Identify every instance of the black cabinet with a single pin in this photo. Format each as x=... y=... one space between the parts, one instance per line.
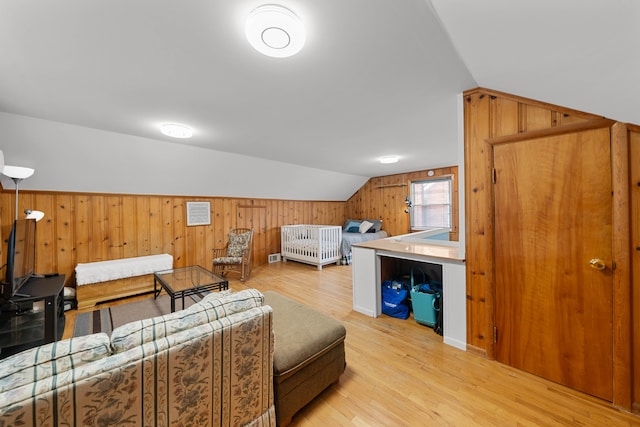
x=33 y=317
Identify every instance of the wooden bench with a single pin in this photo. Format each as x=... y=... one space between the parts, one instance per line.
x=107 y=280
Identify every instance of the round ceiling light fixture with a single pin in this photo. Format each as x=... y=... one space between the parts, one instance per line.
x=176 y=130
x=275 y=31
x=389 y=159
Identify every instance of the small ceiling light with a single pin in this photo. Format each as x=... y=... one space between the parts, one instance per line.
x=176 y=130
x=275 y=31
x=389 y=159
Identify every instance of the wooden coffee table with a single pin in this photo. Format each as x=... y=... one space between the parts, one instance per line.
x=186 y=281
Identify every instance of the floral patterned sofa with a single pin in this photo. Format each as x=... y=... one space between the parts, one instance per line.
x=208 y=365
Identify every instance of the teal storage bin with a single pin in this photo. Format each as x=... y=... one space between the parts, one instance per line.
x=424 y=307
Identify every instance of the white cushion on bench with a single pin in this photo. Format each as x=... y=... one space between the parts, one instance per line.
x=103 y=271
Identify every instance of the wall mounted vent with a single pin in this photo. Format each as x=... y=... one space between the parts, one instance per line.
x=274 y=258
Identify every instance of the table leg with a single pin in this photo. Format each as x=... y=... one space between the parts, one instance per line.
x=173 y=303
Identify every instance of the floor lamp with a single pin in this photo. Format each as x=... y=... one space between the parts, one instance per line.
x=17 y=174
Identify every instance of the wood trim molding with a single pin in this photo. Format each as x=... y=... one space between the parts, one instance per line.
x=529 y=101
x=552 y=131
x=622 y=337
x=391 y=185
x=477 y=350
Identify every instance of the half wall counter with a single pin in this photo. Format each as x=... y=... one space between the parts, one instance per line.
x=378 y=260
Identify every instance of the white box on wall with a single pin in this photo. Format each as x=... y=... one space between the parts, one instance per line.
x=198 y=213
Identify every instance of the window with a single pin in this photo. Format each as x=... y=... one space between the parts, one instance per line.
x=431 y=203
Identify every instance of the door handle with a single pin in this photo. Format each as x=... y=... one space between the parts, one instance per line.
x=597 y=264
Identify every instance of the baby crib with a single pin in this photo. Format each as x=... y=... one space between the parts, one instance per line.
x=312 y=244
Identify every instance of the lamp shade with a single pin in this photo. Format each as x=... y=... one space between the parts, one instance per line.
x=17 y=172
x=37 y=215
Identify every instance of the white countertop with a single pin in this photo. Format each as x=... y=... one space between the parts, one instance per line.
x=421 y=249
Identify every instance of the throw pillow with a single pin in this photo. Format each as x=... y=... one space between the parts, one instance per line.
x=377 y=225
x=365 y=226
x=350 y=224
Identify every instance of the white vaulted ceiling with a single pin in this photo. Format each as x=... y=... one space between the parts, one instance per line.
x=375 y=77
x=581 y=54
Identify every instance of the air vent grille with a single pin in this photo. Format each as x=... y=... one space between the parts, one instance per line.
x=274 y=258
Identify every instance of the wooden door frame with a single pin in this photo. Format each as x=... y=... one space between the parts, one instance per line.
x=622 y=326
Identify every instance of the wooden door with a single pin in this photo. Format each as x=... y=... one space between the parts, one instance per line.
x=553 y=215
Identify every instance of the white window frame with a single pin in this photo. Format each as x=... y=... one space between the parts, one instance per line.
x=418 y=202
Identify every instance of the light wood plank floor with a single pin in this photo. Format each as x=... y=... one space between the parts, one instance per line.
x=399 y=373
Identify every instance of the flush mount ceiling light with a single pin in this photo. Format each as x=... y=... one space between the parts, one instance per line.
x=275 y=31
x=176 y=130
x=389 y=159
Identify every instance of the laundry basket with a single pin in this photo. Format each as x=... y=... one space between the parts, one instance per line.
x=425 y=302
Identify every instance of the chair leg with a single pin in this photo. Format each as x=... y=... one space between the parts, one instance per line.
x=244 y=273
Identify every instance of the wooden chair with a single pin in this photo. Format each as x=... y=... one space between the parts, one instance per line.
x=236 y=255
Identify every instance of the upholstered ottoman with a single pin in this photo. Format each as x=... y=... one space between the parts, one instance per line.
x=308 y=355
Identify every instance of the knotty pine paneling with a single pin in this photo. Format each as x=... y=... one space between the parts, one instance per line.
x=504 y=116
x=533 y=117
x=88 y=227
x=478 y=122
x=384 y=198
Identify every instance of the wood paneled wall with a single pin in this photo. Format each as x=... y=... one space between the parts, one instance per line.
x=88 y=227
x=384 y=198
